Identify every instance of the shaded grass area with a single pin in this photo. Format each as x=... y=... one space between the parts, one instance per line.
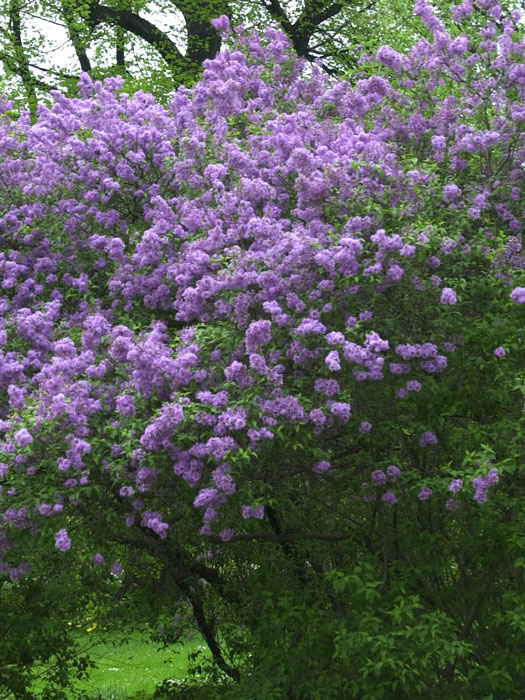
x=135 y=666
x=131 y=667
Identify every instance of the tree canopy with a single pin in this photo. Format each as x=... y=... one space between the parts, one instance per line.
x=160 y=44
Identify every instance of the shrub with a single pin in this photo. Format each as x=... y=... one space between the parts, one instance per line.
x=263 y=361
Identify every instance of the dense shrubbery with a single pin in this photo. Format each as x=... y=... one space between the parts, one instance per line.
x=262 y=361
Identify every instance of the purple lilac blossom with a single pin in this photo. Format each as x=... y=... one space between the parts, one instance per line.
x=258 y=334
x=321 y=467
x=452 y=504
x=518 y=295
x=341 y=411
x=62 y=540
x=210 y=515
x=329 y=387
x=427 y=438
x=379 y=477
x=125 y=405
x=481 y=485
x=448 y=296
x=333 y=361
x=390 y=58
x=413 y=385
x=256 y=512
x=492 y=476
x=451 y=193
x=222 y=23
x=154 y=522
x=425 y=493
x=455 y=485
x=399 y=368
x=226 y=534
x=389 y=497
x=393 y=472
x=335 y=338
x=23 y=437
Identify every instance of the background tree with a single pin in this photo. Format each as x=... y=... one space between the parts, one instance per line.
x=160 y=44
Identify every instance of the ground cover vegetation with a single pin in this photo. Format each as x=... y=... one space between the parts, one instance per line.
x=262 y=369
x=131 y=666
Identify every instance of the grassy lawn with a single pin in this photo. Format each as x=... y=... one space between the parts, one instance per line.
x=133 y=668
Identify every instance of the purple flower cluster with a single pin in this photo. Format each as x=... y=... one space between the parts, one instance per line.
x=481 y=485
x=427 y=438
x=425 y=493
x=154 y=522
x=389 y=497
x=448 y=296
x=455 y=486
x=62 y=540
x=379 y=477
x=256 y=512
x=321 y=467
x=518 y=295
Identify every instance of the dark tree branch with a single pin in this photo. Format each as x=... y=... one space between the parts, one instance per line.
x=203 y=39
x=21 y=59
x=43 y=19
x=207 y=631
x=40 y=83
x=74 y=35
x=273 y=7
x=83 y=59
x=120 y=57
x=315 y=13
x=283 y=538
x=182 y=570
x=140 y=27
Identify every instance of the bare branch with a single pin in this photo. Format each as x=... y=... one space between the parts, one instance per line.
x=315 y=14
x=275 y=9
x=283 y=537
x=139 y=26
x=43 y=19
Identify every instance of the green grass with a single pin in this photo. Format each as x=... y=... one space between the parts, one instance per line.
x=131 y=669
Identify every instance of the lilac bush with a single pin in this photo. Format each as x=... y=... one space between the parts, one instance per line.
x=210 y=305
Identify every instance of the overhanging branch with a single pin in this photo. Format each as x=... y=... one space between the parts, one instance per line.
x=132 y=22
x=284 y=537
